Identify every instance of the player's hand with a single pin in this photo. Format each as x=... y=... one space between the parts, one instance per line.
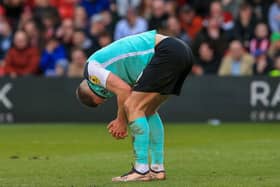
x=118 y=129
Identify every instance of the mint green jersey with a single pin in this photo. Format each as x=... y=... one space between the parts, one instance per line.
x=125 y=58
x=128 y=56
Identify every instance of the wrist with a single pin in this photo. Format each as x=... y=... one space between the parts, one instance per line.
x=121 y=120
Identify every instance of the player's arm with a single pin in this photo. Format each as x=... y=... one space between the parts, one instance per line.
x=114 y=84
x=122 y=91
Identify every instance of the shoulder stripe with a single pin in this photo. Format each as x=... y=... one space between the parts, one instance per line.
x=126 y=55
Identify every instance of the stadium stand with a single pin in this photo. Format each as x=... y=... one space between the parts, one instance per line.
x=54 y=29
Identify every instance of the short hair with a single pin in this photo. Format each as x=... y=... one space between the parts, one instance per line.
x=74 y=49
x=186 y=9
x=209 y=45
x=84 y=97
x=245 y=5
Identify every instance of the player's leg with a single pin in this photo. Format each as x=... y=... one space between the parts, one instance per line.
x=136 y=107
x=157 y=170
x=146 y=104
x=164 y=75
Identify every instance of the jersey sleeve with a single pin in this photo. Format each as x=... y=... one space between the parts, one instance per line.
x=96 y=74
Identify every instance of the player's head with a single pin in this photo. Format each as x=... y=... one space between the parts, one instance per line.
x=87 y=97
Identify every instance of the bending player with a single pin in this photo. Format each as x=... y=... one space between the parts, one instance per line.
x=141 y=70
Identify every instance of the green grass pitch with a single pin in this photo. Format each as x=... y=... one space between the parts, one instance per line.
x=241 y=155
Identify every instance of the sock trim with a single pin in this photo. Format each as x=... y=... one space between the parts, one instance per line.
x=161 y=171
x=133 y=169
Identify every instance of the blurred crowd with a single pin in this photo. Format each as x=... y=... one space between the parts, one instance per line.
x=55 y=37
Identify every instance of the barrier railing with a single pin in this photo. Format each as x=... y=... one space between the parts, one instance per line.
x=203 y=98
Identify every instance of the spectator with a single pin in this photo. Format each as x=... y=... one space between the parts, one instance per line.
x=33 y=32
x=130 y=25
x=108 y=22
x=26 y=15
x=78 y=60
x=190 y=22
x=159 y=15
x=122 y=6
x=93 y=24
x=54 y=59
x=171 y=7
x=97 y=27
x=245 y=25
x=95 y=7
x=21 y=59
x=104 y=39
x=261 y=9
x=225 y=18
x=145 y=9
x=261 y=41
x=207 y=62
x=174 y=29
x=46 y=18
x=80 y=18
x=65 y=34
x=80 y=40
x=237 y=62
x=5 y=39
x=263 y=64
x=275 y=44
x=114 y=13
x=276 y=67
x=213 y=35
x=274 y=16
x=44 y=12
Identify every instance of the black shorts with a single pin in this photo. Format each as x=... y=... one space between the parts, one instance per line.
x=168 y=69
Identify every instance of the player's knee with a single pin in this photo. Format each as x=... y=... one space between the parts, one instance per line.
x=132 y=107
x=128 y=106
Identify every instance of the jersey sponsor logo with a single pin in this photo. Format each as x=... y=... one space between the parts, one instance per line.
x=94 y=80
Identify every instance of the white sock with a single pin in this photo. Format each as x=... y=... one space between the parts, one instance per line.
x=142 y=168
x=157 y=167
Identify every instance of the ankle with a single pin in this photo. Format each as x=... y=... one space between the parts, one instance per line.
x=157 y=167
x=141 y=168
